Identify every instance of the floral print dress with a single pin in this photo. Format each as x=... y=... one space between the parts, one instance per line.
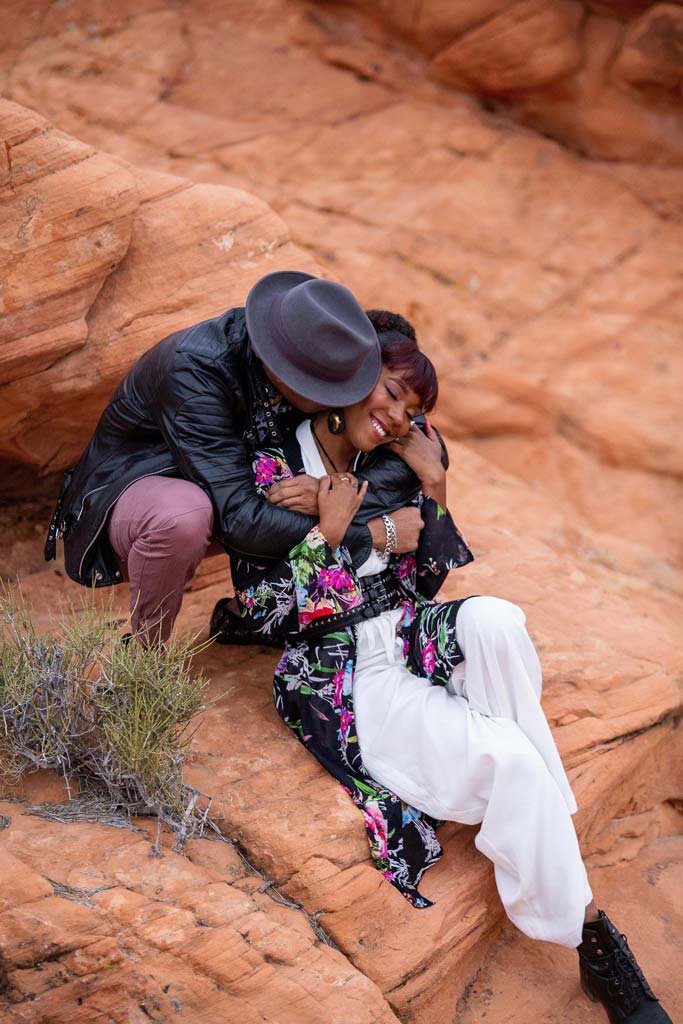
x=313 y=685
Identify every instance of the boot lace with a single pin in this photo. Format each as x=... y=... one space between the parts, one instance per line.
x=627 y=976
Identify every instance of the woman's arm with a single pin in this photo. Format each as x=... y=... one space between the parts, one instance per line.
x=441 y=548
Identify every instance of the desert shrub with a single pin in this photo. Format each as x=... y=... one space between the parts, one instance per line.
x=41 y=687
x=113 y=718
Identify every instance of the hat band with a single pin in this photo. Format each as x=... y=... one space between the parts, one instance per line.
x=296 y=356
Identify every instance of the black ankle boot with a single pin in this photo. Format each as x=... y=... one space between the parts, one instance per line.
x=610 y=975
x=226 y=627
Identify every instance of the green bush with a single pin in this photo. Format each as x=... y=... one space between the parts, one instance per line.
x=113 y=718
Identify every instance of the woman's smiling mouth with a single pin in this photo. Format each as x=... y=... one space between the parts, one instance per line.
x=379 y=429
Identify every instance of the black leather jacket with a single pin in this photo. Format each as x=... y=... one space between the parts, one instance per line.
x=186 y=409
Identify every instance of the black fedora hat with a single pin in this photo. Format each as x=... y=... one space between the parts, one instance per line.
x=314 y=336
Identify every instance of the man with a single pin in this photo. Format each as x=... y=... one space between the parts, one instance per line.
x=169 y=465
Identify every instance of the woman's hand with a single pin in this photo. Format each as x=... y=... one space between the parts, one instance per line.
x=422 y=452
x=298 y=493
x=338 y=501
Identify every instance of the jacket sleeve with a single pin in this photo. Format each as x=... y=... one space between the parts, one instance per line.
x=441 y=548
x=305 y=588
x=195 y=411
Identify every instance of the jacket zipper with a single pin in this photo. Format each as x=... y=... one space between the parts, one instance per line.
x=86 y=496
x=98 y=575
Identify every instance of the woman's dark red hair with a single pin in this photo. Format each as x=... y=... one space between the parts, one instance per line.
x=401 y=354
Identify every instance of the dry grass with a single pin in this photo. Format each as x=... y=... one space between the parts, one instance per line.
x=114 y=719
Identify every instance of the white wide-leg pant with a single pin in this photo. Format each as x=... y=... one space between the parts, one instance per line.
x=479 y=751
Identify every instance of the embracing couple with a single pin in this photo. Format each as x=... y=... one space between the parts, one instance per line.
x=292 y=432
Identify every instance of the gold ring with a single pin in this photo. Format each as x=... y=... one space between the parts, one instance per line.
x=345 y=478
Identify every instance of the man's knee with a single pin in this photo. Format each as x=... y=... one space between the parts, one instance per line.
x=188 y=533
x=181 y=527
x=156 y=508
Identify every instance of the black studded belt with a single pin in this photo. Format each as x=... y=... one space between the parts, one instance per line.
x=380 y=594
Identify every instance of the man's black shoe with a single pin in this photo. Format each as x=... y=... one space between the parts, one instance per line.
x=610 y=975
x=226 y=627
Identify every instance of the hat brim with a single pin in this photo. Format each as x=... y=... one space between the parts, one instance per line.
x=327 y=393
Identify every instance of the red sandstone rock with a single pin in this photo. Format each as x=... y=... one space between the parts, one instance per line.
x=100 y=261
x=548 y=290
x=127 y=936
x=55 y=224
x=652 y=51
x=602 y=77
x=610 y=654
x=524 y=47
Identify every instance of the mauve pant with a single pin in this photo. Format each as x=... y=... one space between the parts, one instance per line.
x=160 y=529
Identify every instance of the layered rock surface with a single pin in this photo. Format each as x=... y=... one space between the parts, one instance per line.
x=614 y=705
x=98 y=260
x=604 y=78
x=548 y=291
x=134 y=937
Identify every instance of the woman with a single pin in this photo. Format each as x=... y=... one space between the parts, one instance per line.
x=422 y=710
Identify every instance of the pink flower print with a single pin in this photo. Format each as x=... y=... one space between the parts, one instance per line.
x=338 y=688
x=345 y=722
x=405 y=567
x=341 y=579
x=268 y=469
x=376 y=824
x=334 y=578
x=429 y=658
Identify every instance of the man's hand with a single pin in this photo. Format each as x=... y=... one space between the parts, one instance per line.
x=299 y=493
x=408 y=522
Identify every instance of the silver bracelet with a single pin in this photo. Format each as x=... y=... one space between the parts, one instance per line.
x=390 y=527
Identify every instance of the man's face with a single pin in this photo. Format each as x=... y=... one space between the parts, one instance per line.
x=298 y=401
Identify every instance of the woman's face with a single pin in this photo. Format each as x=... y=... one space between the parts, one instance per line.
x=384 y=415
